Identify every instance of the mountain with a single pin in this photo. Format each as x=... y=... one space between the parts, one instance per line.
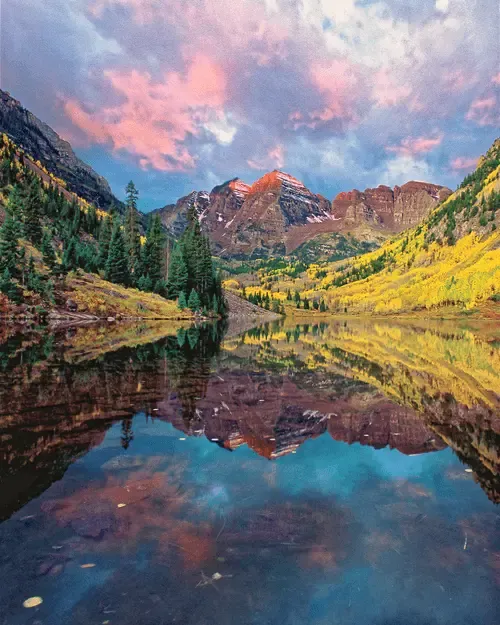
x=45 y=145
x=215 y=210
x=274 y=204
x=278 y=214
x=450 y=260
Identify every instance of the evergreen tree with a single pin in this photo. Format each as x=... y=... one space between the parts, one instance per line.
x=49 y=256
x=161 y=287
x=104 y=241
x=117 y=265
x=92 y=221
x=70 y=255
x=215 y=305
x=15 y=208
x=177 y=273
x=132 y=234
x=33 y=279
x=322 y=306
x=194 y=301
x=10 y=254
x=145 y=284
x=7 y=287
x=181 y=302
x=306 y=303
x=77 y=221
x=32 y=228
x=132 y=195
x=316 y=304
x=152 y=256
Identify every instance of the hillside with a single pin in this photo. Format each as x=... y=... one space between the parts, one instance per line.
x=45 y=145
x=451 y=259
x=62 y=258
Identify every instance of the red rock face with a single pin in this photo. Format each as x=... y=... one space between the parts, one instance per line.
x=225 y=202
x=390 y=209
x=274 y=204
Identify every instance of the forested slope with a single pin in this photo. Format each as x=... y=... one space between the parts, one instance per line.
x=451 y=259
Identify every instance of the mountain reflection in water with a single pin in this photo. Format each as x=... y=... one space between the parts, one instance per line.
x=86 y=420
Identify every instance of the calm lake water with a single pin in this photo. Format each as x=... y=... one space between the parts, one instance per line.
x=344 y=473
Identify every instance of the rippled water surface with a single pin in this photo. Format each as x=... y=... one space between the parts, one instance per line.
x=343 y=473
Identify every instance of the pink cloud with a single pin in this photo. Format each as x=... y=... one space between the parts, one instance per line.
x=463 y=163
x=496 y=79
x=387 y=92
x=484 y=111
x=274 y=159
x=154 y=119
x=413 y=146
x=337 y=83
x=458 y=80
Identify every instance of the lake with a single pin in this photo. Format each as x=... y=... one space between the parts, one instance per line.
x=314 y=473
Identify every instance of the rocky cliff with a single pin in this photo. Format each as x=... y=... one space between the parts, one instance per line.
x=44 y=144
x=391 y=209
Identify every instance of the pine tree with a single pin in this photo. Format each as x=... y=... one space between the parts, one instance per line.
x=117 y=265
x=322 y=306
x=7 y=287
x=194 y=301
x=15 y=208
x=77 y=221
x=145 y=284
x=215 y=305
x=181 y=302
x=152 y=255
x=104 y=241
x=132 y=234
x=92 y=221
x=10 y=253
x=49 y=256
x=32 y=229
x=161 y=287
x=132 y=195
x=177 y=273
x=33 y=281
x=70 y=255
x=306 y=303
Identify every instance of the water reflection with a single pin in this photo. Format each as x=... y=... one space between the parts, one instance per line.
x=115 y=457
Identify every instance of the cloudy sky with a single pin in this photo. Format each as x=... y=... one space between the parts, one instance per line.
x=184 y=94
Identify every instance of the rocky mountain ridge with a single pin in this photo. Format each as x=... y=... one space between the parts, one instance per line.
x=278 y=213
x=44 y=144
